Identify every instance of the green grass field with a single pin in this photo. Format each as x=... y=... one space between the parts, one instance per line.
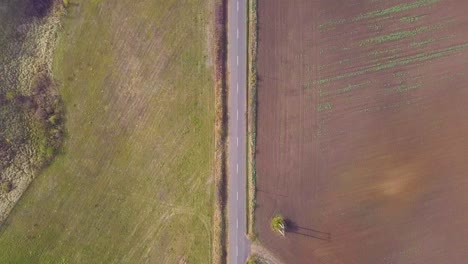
x=134 y=181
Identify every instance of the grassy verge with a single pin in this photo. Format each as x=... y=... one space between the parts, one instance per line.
x=219 y=242
x=134 y=183
x=251 y=114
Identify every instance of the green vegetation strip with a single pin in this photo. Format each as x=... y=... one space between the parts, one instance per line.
x=412 y=19
x=395 y=36
x=382 y=14
x=404 y=34
x=421 y=57
x=395 y=9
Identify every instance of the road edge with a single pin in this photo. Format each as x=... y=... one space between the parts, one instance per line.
x=219 y=252
x=251 y=115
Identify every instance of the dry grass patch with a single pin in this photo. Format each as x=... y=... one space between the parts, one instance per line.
x=134 y=183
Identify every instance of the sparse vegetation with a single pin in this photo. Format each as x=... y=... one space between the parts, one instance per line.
x=28 y=95
x=253 y=259
x=10 y=95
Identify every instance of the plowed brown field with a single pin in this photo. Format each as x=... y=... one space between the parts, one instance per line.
x=363 y=130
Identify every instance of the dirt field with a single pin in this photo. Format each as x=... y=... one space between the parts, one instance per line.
x=363 y=130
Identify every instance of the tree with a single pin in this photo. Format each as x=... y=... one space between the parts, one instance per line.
x=278 y=224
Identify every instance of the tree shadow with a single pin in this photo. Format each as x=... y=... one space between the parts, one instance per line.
x=292 y=227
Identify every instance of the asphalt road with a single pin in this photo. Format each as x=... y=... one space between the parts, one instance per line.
x=238 y=244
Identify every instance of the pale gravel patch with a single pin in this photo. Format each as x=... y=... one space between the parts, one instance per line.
x=264 y=254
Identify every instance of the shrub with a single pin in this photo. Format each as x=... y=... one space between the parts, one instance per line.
x=10 y=95
x=5 y=187
x=53 y=119
x=278 y=224
x=253 y=260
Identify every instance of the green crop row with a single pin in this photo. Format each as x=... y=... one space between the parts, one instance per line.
x=421 y=57
x=395 y=9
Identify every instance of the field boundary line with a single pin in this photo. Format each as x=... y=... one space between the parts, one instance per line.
x=220 y=169
x=252 y=30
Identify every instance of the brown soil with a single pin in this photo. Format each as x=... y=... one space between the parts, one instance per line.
x=363 y=130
